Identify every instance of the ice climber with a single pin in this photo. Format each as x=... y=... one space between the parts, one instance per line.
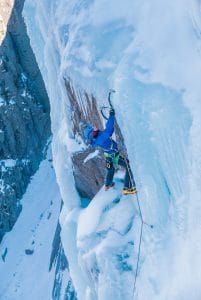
x=103 y=140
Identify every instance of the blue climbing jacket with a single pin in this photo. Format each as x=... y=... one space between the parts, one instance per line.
x=104 y=139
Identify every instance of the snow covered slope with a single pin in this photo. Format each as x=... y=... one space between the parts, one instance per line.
x=106 y=230
x=150 y=53
x=26 y=250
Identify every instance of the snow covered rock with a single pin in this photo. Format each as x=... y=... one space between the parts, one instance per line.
x=24 y=114
x=31 y=254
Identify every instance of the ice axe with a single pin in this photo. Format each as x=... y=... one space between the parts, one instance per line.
x=109 y=97
x=111 y=91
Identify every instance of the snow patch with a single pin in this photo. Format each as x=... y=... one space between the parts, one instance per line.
x=8 y=163
x=91 y=155
x=2 y=101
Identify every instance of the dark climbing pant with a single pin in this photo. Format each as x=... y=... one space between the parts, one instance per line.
x=123 y=162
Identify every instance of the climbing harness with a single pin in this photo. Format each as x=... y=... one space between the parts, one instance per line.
x=112 y=159
x=114 y=156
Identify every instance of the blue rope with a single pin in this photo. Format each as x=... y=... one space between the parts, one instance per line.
x=141 y=230
x=138 y=259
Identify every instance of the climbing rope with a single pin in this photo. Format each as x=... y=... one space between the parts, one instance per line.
x=141 y=229
x=138 y=258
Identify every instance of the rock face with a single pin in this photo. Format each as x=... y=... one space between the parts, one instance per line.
x=89 y=175
x=63 y=287
x=24 y=117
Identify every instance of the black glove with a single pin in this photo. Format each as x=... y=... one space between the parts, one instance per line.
x=112 y=112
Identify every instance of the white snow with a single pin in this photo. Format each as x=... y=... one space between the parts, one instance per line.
x=149 y=51
x=91 y=155
x=8 y=163
x=12 y=101
x=2 y=186
x=26 y=276
x=105 y=243
x=2 y=101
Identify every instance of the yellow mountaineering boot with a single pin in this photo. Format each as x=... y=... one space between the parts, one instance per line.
x=129 y=191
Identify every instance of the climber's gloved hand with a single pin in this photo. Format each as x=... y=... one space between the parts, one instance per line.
x=112 y=112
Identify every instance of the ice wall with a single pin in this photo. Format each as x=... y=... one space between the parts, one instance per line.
x=150 y=53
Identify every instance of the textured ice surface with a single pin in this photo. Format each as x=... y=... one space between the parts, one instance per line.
x=150 y=53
